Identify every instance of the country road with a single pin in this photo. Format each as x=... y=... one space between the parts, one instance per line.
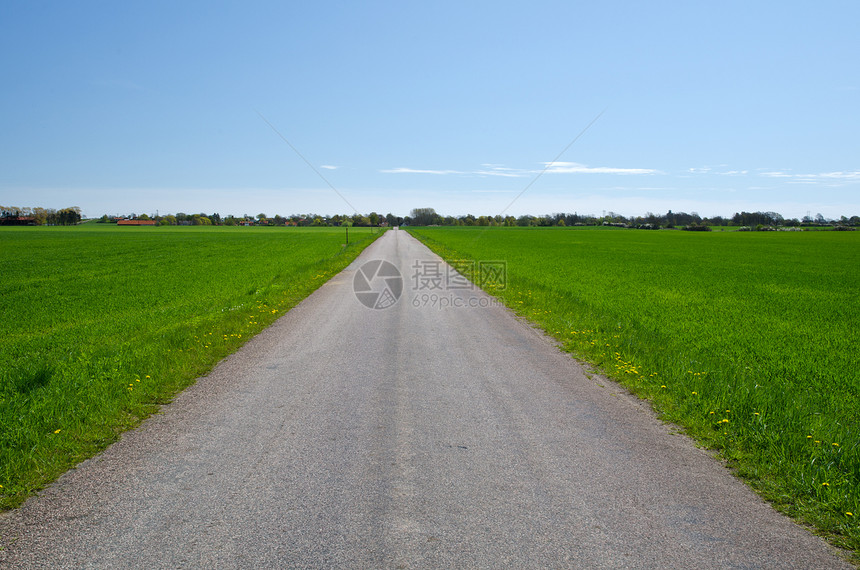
x=448 y=434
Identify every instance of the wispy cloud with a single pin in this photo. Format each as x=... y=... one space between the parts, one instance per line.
x=716 y=170
x=329 y=167
x=499 y=170
x=576 y=168
x=837 y=178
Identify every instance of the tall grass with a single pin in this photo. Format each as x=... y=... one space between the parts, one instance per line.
x=101 y=324
x=749 y=340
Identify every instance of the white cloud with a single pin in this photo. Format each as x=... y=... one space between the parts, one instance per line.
x=554 y=167
x=841 y=175
x=837 y=178
x=495 y=170
x=329 y=167
x=576 y=168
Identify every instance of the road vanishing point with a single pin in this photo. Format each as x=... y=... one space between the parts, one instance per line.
x=432 y=436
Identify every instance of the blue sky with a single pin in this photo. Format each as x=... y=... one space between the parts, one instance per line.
x=121 y=107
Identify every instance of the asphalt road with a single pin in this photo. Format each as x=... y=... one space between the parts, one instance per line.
x=447 y=434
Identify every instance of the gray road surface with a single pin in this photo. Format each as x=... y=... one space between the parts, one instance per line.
x=405 y=437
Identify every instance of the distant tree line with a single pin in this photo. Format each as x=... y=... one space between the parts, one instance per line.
x=304 y=220
x=15 y=216
x=689 y=221
x=429 y=216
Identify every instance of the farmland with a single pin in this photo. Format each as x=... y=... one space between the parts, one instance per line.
x=101 y=324
x=747 y=340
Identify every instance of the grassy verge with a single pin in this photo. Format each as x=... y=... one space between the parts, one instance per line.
x=748 y=340
x=101 y=324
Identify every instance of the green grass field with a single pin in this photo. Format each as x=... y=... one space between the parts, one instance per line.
x=100 y=324
x=748 y=340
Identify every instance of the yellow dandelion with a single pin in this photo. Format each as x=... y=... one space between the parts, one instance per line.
x=847 y=513
x=695 y=393
x=663 y=386
x=835 y=445
x=825 y=484
x=756 y=413
x=57 y=431
x=809 y=437
x=147 y=376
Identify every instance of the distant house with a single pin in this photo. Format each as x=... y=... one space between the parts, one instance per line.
x=18 y=221
x=135 y=222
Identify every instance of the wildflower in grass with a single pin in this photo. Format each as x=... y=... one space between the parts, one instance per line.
x=663 y=386
x=847 y=513
x=695 y=393
x=147 y=377
x=825 y=484
x=809 y=437
x=755 y=413
x=57 y=431
x=835 y=445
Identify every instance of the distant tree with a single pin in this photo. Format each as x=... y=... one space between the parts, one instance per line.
x=424 y=216
x=200 y=220
x=43 y=216
x=374 y=219
x=69 y=216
